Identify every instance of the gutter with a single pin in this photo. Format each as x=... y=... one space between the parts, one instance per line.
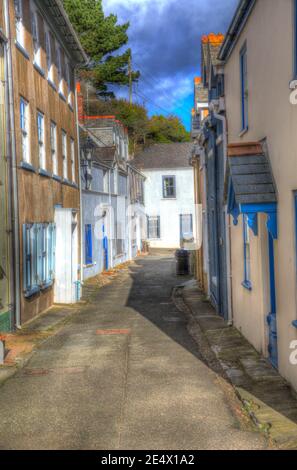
x=60 y=7
x=238 y=22
x=15 y=218
x=80 y=191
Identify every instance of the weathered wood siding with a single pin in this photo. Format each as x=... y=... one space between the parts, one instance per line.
x=37 y=194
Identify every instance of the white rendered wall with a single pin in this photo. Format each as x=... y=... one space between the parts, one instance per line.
x=169 y=210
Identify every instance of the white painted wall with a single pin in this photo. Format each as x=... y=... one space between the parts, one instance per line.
x=169 y=210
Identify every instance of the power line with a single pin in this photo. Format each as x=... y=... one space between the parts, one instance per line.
x=165 y=94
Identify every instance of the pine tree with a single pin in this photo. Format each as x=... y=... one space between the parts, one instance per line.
x=101 y=36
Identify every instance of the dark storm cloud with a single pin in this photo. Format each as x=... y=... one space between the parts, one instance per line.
x=165 y=39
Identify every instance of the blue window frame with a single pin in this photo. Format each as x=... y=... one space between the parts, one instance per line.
x=39 y=248
x=88 y=245
x=295 y=38
x=244 y=88
x=247 y=254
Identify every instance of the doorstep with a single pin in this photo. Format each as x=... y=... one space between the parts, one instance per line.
x=269 y=399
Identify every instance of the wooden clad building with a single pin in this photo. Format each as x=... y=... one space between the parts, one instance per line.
x=45 y=52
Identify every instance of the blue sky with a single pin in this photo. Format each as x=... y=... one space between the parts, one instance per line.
x=165 y=40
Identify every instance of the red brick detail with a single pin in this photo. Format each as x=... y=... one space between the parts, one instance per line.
x=113 y=332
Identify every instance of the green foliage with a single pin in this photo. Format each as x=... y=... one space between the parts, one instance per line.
x=164 y=130
x=101 y=36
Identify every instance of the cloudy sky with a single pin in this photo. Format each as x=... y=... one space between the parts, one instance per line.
x=165 y=40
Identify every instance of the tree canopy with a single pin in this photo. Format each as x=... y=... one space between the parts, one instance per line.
x=101 y=36
x=142 y=129
x=164 y=130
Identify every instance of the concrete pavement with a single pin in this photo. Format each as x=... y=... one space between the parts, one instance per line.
x=124 y=373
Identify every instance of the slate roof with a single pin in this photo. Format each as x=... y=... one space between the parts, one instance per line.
x=159 y=156
x=65 y=27
x=251 y=174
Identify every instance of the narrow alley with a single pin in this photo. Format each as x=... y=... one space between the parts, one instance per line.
x=123 y=373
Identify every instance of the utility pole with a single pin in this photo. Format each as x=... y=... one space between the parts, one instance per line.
x=130 y=80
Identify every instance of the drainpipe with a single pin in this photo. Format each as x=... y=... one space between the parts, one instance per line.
x=15 y=218
x=223 y=120
x=80 y=188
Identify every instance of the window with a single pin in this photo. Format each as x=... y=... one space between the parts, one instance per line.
x=54 y=148
x=247 y=254
x=244 y=88
x=64 y=155
x=49 y=60
x=59 y=68
x=186 y=227
x=88 y=245
x=35 y=38
x=153 y=227
x=68 y=79
x=72 y=145
x=105 y=181
x=169 y=187
x=41 y=143
x=39 y=244
x=24 y=122
x=20 y=36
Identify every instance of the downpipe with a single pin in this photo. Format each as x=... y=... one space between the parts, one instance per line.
x=15 y=221
x=223 y=120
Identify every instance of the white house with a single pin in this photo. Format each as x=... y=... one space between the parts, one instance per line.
x=168 y=194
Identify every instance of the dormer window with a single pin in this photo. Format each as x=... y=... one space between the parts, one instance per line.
x=18 y=9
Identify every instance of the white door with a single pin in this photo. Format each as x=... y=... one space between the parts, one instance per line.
x=66 y=256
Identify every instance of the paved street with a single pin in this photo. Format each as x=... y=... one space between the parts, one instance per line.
x=140 y=386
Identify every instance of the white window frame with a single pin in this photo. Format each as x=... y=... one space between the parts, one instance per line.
x=73 y=169
x=49 y=57
x=54 y=154
x=35 y=37
x=19 y=26
x=59 y=68
x=68 y=79
x=25 y=130
x=64 y=155
x=41 y=140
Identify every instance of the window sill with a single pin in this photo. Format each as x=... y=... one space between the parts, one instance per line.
x=22 y=50
x=247 y=285
x=294 y=323
x=51 y=83
x=243 y=132
x=88 y=266
x=57 y=178
x=44 y=173
x=69 y=183
x=32 y=292
x=62 y=96
x=28 y=167
x=47 y=285
x=39 y=69
x=169 y=199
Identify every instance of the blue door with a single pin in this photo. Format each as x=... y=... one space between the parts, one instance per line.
x=272 y=319
x=105 y=250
